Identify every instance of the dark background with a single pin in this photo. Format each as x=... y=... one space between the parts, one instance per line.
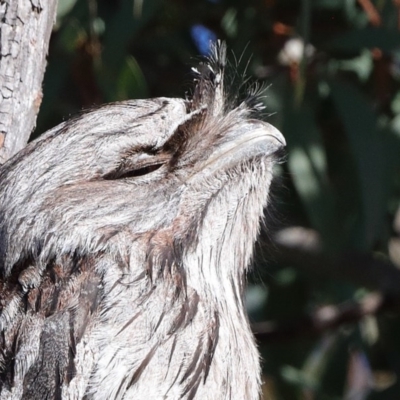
x=326 y=282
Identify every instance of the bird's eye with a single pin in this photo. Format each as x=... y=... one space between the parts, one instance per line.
x=140 y=171
x=132 y=173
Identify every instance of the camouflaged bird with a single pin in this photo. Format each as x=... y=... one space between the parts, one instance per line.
x=125 y=236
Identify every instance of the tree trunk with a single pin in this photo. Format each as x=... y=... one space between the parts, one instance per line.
x=25 y=28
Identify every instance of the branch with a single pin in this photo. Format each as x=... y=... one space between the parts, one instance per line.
x=324 y=319
x=371 y=11
x=300 y=247
x=25 y=30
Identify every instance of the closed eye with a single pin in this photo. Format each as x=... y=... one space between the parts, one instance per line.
x=133 y=173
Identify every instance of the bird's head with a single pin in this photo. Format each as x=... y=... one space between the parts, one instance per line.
x=188 y=175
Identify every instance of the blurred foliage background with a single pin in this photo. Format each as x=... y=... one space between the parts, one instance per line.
x=324 y=295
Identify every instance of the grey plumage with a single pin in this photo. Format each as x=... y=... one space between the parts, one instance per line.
x=125 y=235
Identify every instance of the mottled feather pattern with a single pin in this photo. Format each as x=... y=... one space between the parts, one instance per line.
x=125 y=235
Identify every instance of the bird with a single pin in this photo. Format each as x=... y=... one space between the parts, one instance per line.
x=126 y=233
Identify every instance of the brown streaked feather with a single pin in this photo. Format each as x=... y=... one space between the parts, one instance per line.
x=125 y=236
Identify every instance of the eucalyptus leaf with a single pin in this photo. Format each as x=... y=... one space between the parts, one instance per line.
x=367 y=38
x=308 y=167
x=360 y=123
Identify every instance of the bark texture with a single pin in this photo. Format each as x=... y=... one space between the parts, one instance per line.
x=25 y=28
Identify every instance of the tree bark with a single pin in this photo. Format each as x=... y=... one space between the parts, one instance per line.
x=25 y=28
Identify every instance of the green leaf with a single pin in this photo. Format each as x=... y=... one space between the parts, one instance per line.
x=314 y=366
x=369 y=38
x=308 y=167
x=64 y=7
x=367 y=147
x=131 y=83
x=122 y=27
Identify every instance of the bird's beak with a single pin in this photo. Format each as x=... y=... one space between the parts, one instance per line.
x=275 y=135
